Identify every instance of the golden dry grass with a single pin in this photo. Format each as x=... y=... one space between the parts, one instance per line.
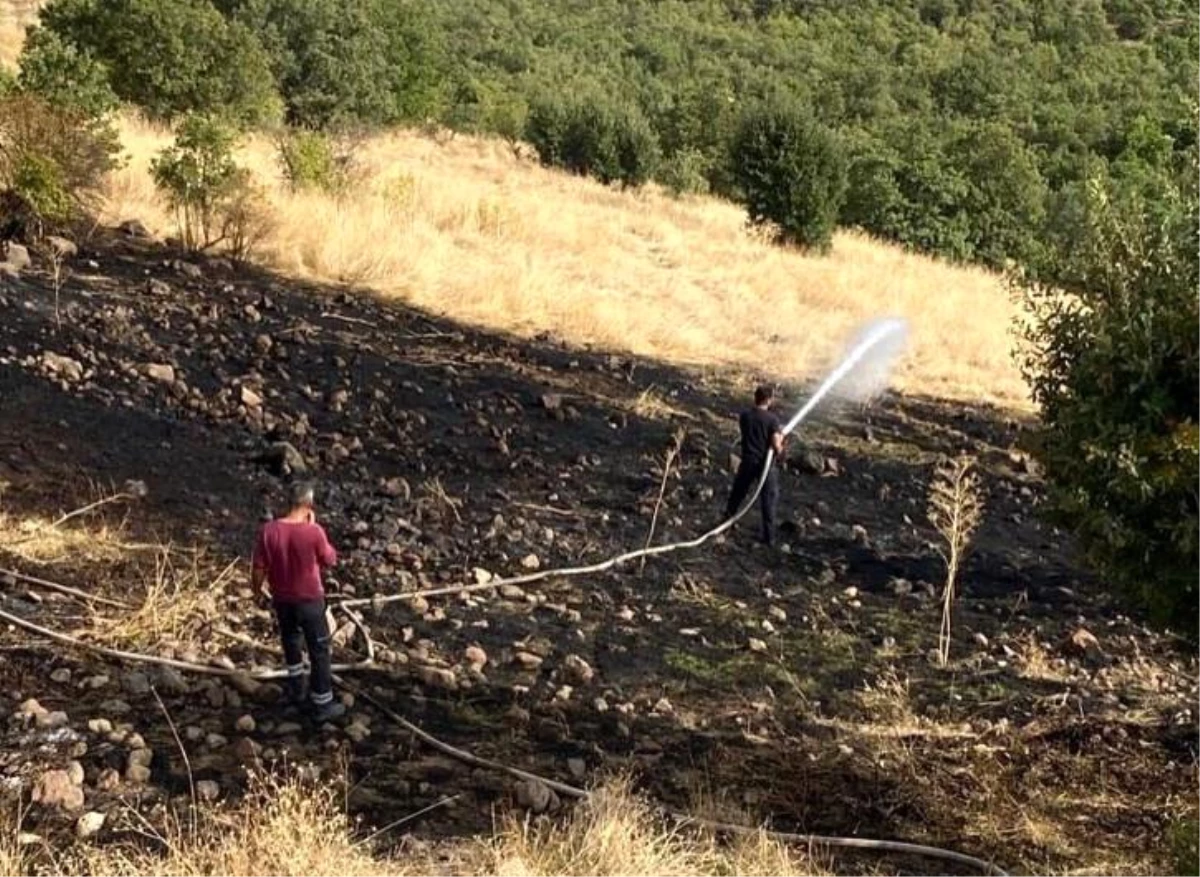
x=286 y=826
x=14 y=16
x=461 y=227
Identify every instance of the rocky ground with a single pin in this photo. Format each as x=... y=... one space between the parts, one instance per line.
x=795 y=687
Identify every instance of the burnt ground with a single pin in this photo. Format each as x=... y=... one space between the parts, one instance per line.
x=796 y=687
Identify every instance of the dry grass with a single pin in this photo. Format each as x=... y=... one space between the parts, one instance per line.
x=87 y=533
x=301 y=832
x=955 y=510
x=14 y=16
x=463 y=228
x=180 y=597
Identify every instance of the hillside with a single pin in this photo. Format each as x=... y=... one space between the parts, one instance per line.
x=795 y=689
x=463 y=228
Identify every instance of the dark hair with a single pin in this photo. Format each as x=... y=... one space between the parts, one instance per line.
x=763 y=394
x=302 y=493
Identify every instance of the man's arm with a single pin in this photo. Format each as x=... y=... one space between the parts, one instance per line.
x=325 y=551
x=258 y=567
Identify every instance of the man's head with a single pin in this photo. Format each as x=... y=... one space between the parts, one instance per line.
x=764 y=396
x=303 y=495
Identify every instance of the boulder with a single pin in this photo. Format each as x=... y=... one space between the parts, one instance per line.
x=15 y=255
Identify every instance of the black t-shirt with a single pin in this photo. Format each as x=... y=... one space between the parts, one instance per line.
x=757 y=427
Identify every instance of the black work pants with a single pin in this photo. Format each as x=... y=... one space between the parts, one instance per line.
x=744 y=481
x=303 y=625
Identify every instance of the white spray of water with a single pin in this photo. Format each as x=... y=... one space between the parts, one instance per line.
x=864 y=372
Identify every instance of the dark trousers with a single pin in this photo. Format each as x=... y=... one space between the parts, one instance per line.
x=303 y=625
x=745 y=480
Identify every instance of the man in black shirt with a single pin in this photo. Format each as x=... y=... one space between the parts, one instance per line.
x=761 y=432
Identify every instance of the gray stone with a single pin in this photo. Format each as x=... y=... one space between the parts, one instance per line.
x=89 y=824
x=536 y=796
x=54 y=788
x=578 y=669
x=62 y=247
x=207 y=790
x=62 y=366
x=136 y=682
x=161 y=371
x=16 y=255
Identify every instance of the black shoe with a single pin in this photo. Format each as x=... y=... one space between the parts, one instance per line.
x=327 y=712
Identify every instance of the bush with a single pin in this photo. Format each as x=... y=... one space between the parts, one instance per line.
x=344 y=62
x=201 y=181
x=791 y=173
x=591 y=136
x=53 y=159
x=309 y=161
x=171 y=57
x=1113 y=364
x=685 y=173
x=65 y=75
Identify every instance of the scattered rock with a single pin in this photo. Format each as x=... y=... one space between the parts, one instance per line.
x=777 y=613
x=282 y=458
x=75 y=772
x=246 y=724
x=134 y=228
x=756 y=645
x=89 y=824
x=531 y=562
x=171 y=681
x=476 y=657
x=357 y=731
x=482 y=576
x=100 y=726
x=551 y=401
x=528 y=660
x=247 y=750
x=844 y=749
x=1083 y=643
x=208 y=790
x=535 y=796
x=980 y=639
x=512 y=592
x=578 y=669
x=850 y=592
x=244 y=683
x=250 y=398
x=900 y=587
x=136 y=682
x=55 y=788
x=108 y=780
x=16 y=255
x=859 y=533
x=160 y=371
x=437 y=677
x=62 y=366
x=577 y=767
x=62 y=675
x=216 y=741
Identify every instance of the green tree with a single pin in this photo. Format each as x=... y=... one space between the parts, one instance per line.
x=65 y=75
x=345 y=62
x=201 y=180
x=590 y=135
x=1112 y=358
x=792 y=173
x=171 y=57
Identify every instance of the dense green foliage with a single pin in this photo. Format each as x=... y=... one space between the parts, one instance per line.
x=65 y=75
x=588 y=134
x=967 y=126
x=200 y=180
x=171 y=56
x=791 y=172
x=1114 y=368
x=340 y=63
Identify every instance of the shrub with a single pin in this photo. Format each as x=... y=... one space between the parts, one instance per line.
x=201 y=181
x=791 y=173
x=589 y=135
x=1184 y=839
x=171 y=57
x=685 y=173
x=309 y=161
x=52 y=158
x=65 y=75
x=1113 y=364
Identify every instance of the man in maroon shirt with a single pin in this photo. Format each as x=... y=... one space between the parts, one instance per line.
x=288 y=556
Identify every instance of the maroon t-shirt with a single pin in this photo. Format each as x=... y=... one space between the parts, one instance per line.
x=292 y=555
